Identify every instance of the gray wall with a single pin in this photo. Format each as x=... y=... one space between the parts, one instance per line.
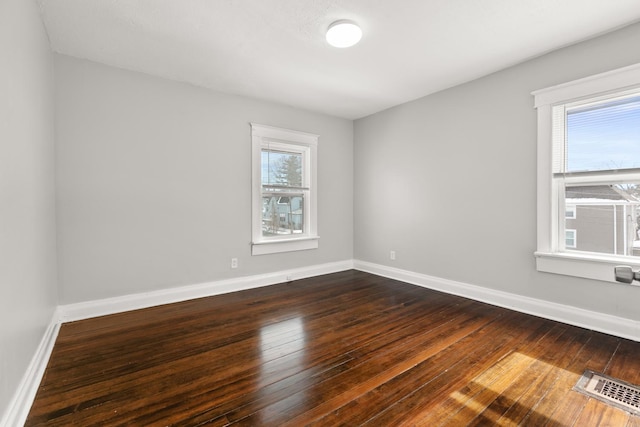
x=28 y=293
x=154 y=183
x=449 y=181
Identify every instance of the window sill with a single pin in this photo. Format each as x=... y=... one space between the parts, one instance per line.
x=596 y=267
x=288 y=245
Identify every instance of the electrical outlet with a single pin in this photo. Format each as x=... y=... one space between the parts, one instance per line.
x=234 y=262
x=392 y=255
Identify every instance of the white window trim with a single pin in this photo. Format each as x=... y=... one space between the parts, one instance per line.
x=261 y=245
x=548 y=257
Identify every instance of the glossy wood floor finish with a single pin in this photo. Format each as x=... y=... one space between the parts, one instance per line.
x=343 y=349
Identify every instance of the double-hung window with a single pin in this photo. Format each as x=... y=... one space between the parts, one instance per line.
x=589 y=175
x=284 y=205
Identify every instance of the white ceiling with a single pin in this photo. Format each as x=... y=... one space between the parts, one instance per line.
x=275 y=49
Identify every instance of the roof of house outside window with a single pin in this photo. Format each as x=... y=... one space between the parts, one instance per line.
x=600 y=192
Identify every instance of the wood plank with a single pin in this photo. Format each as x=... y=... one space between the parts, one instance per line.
x=418 y=407
x=348 y=348
x=561 y=405
x=163 y=344
x=402 y=395
x=276 y=391
x=188 y=390
x=596 y=413
x=531 y=386
x=366 y=371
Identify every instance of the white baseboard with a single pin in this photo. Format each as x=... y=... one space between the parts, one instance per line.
x=19 y=406
x=85 y=310
x=18 y=409
x=609 y=324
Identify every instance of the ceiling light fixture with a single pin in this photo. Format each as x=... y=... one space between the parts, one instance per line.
x=343 y=33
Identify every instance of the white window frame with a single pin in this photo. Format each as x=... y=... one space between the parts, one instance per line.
x=550 y=223
x=264 y=136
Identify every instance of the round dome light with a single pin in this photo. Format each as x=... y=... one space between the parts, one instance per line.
x=343 y=33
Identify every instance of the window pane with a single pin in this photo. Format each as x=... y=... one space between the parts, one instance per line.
x=606 y=218
x=282 y=215
x=570 y=212
x=281 y=168
x=604 y=136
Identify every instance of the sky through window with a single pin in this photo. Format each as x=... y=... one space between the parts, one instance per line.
x=604 y=137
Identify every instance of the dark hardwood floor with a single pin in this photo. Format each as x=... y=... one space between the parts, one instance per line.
x=343 y=349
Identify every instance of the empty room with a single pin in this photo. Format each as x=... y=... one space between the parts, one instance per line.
x=319 y=212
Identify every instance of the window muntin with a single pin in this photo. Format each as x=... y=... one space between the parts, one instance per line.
x=284 y=197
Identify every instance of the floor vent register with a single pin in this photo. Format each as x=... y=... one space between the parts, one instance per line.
x=609 y=390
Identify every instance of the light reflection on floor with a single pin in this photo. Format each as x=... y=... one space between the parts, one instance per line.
x=282 y=352
x=477 y=396
x=282 y=338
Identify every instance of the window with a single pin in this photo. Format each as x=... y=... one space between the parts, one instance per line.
x=570 y=238
x=284 y=198
x=570 y=212
x=589 y=163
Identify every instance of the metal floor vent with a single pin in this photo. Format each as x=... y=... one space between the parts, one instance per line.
x=610 y=390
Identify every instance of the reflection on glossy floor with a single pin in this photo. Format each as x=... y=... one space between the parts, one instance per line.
x=348 y=348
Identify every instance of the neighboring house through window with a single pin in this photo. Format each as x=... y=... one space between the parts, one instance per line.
x=284 y=190
x=608 y=217
x=589 y=175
